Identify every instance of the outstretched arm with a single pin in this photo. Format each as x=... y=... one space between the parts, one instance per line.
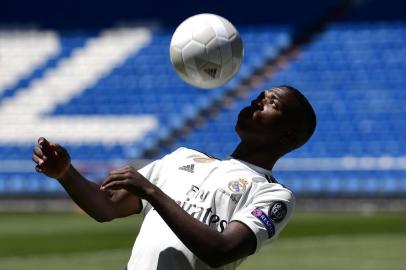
x=213 y=247
x=54 y=161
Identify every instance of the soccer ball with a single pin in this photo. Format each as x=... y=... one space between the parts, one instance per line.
x=206 y=51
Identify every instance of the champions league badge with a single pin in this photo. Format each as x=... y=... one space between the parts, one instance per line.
x=259 y=214
x=277 y=211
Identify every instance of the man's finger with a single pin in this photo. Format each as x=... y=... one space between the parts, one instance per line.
x=43 y=142
x=38 y=151
x=46 y=147
x=114 y=185
x=114 y=177
x=37 y=160
x=121 y=169
x=39 y=169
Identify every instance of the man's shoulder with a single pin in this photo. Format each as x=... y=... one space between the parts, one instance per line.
x=189 y=153
x=272 y=188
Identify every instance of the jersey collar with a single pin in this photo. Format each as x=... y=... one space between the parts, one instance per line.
x=253 y=167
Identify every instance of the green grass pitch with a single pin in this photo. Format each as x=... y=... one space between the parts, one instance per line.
x=310 y=242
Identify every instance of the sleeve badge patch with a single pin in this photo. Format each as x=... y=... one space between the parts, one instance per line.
x=259 y=214
x=277 y=211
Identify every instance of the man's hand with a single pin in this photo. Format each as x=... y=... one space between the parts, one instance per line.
x=129 y=179
x=52 y=159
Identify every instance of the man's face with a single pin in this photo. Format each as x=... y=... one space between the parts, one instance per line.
x=269 y=117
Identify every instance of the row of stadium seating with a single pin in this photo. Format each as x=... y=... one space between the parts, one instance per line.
x=331 y=183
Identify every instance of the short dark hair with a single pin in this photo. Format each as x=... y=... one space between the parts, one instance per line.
x=308 y=120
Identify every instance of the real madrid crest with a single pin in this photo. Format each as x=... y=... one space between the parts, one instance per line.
x=238 y=186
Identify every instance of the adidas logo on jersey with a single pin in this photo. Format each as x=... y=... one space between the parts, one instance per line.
x=189 y=168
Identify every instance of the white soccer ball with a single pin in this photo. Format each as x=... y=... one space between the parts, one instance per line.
x=206 y=50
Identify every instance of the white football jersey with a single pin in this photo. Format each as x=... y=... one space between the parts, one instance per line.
x=216 y=192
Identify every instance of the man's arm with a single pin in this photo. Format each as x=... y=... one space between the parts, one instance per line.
x=101 y=205
x=54 y=161
x=213 y=247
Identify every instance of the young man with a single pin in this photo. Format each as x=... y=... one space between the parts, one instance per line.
x=200 y=212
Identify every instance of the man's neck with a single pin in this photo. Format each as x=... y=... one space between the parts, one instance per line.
x=259 y=156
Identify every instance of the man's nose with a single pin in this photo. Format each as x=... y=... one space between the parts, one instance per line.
x=257 y=103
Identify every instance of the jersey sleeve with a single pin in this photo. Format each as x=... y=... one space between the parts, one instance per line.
x=266 y=212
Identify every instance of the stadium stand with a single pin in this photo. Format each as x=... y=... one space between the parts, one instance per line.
x=351 y=72
x=103 y=81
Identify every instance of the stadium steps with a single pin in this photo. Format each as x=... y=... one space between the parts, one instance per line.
x=67 y=43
